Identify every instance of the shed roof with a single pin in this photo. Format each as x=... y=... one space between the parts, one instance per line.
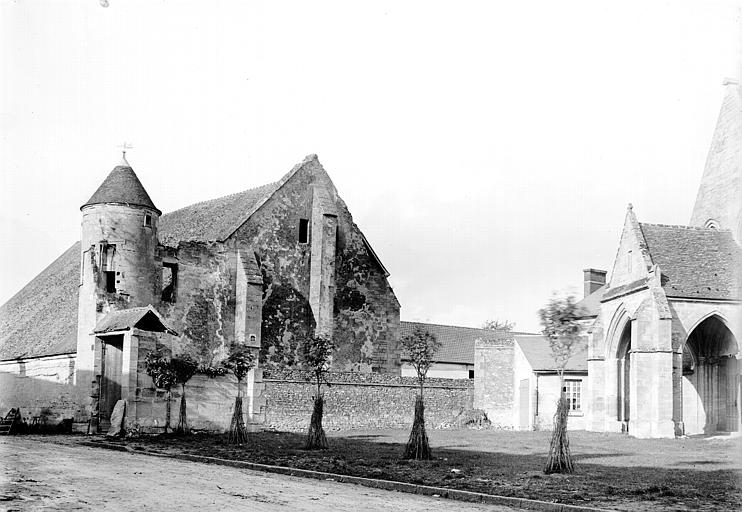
x=590 y=305
x=696 y=262
x=537 y=351
x=457 y=343
x=145 y=318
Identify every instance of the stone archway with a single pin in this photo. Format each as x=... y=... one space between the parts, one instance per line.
x=711 y=379
x=623 y=380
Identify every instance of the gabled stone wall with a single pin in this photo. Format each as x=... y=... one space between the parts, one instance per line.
x=364 y=310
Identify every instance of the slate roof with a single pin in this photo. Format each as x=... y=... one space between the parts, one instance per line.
x=537 y=351
x=457 y=343
x=41 y=319
x=145 y=318
x=217 y=219
x=697 y=262
x=212 y=220
x=590 y=305
x=122 y=186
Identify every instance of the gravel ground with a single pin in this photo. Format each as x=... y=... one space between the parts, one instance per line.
x=39 y=475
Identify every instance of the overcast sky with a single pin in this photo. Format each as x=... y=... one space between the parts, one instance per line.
x=487 y=149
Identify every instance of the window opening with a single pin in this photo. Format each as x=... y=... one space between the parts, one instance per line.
x=169 y=281
x=303 y=231
x=111 y=282
x=108 y=267
x=147 y=220
x=471 y=374
x=573 y=393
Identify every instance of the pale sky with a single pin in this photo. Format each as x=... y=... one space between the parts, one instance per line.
x=486 y=149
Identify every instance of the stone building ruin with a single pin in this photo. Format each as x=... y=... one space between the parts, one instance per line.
x=259 y=268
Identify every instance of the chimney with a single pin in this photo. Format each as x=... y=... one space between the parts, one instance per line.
x=593 y=279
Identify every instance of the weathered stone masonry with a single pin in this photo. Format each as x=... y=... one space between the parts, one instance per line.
x=357 y=400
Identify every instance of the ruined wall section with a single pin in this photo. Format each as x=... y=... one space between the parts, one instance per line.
x=364 y=309
x=203 y=312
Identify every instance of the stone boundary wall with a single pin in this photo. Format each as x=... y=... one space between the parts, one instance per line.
x=42 y=388
x=361 y=400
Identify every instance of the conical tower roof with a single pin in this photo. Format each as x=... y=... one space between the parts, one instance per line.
x=122 y=187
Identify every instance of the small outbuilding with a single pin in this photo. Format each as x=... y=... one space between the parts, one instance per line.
x=517 y=381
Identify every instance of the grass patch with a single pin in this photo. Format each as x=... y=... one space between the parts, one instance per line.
x=612 y=470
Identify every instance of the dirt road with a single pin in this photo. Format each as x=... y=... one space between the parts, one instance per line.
x=38 y=475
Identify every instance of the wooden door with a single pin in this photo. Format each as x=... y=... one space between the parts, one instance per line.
x=110 y=392
x=525 y=404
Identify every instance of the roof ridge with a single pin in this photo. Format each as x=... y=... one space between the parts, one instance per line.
x=279 y=184
x=445 y=325
x=466 y=327
x=685 y=226
x=234 y=194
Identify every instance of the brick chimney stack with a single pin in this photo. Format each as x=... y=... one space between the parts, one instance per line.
x=593 y=279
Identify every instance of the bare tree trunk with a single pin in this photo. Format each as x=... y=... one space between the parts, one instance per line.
x=418 y=447
x=168 y=398
x=316 y=438
x=560 y=458
x=237 y=429
x=182 y=428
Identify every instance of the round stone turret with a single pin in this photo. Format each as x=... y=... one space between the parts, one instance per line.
x=118 y=249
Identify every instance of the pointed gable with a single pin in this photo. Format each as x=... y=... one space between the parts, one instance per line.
x=122 y=187
x=719 y=198
x=632 y=261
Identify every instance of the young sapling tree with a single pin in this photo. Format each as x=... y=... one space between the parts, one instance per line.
x=315 y=356
x=184 y=367
x=239 y=362
x=560 y=322
x=163 y=376
x=420 y=347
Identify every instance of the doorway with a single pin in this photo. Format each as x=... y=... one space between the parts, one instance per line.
x=623 y=361
x=111 y=381
x=711 y=379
